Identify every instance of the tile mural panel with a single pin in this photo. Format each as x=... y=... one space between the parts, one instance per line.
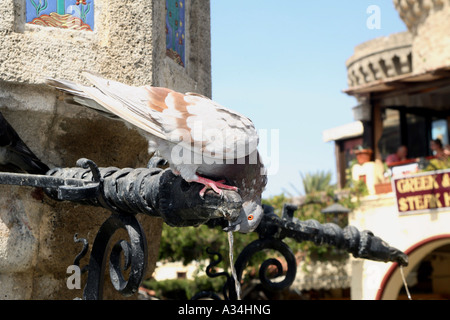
x=68 y=14
x=175 y=30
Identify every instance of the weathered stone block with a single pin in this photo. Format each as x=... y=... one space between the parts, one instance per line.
x=127 y=45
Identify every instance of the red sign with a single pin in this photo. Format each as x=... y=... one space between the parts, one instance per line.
x=425 y=191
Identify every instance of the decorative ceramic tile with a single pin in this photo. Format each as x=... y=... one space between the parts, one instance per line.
x=175 y=30
x=68 y=14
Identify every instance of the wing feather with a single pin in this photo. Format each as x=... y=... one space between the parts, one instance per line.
x=127 y=102
x=191 y=120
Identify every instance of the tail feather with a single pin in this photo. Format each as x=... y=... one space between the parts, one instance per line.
x=132 y=106
x=113 y=99
x=77 y=95
x=66 y=86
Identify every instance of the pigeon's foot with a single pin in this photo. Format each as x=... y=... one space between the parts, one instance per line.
x=217 y=186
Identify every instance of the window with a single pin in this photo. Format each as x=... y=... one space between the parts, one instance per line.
x=439 y=130
x=67 y=14
x=391 y=137
x=413 y=127
x=348 y=148
x=176 y=30
x=416 y=136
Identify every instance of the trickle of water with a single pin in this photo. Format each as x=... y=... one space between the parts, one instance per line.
x=404 y=283
x=233 y=270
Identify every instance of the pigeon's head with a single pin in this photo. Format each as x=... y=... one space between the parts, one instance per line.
x=249 y=218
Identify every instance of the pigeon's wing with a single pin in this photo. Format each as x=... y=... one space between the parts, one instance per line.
x=191 y=120
x=204 y=126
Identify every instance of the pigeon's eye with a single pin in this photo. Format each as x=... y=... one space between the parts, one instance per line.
x=250 y=217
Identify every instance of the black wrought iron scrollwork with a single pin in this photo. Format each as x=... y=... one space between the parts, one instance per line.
x=135 y=257
x=134 y=254
x=361 y=244
x=126 y=192
x=151 y=191
x=228 y=290
x=82 y=253
x=273 y=229
x=272 y=244
x=158 y=192
x=269 y=238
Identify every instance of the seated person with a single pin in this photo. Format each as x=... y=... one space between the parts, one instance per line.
x=438 y=149
x=400 y=155
x=441 y=156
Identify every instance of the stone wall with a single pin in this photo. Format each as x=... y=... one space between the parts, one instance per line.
x=429 y=22
x=128 y=45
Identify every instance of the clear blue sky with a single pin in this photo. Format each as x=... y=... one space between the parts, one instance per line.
x=282 y=64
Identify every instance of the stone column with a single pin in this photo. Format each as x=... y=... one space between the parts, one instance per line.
x=127 y=44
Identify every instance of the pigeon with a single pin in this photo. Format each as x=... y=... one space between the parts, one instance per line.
x=15 y=156
x=201 y=140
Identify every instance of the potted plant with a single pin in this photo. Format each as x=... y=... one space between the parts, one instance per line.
x=363 y=154
x=384 y=184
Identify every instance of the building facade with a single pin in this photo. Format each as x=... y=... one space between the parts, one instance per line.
x=402 y=85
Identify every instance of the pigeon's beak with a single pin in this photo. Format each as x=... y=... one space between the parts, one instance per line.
x=233 y=226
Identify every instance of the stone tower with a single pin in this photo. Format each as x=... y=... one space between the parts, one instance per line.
x=428 y=21
x=157 y=42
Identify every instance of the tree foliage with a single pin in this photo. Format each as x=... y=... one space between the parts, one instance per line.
x=190 y=243
x=316 y=182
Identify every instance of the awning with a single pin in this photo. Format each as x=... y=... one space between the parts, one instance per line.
x=408 y=82
x=346 y=131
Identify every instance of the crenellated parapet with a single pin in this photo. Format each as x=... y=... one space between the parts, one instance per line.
x=380 y=58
